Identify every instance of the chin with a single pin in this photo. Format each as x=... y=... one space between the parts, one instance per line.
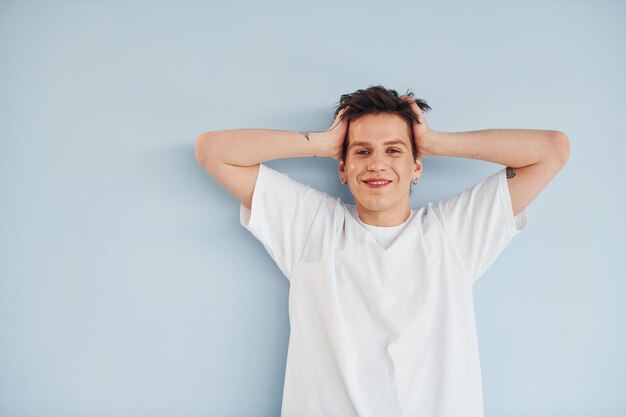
x=370 y=205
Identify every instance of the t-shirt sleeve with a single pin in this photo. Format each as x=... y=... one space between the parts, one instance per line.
x=282 y=215
x=479 y=222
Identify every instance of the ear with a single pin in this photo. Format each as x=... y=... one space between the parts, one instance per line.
x=342 y=169
x=417 y=166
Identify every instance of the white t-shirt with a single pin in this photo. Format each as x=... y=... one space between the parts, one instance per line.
x=387 y=329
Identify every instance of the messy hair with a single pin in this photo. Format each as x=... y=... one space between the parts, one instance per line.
x=375 y=100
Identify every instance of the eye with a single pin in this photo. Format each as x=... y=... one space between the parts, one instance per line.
x=360 y=151
x=396 y=150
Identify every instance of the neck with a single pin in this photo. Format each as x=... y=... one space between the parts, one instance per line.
x=383 y=218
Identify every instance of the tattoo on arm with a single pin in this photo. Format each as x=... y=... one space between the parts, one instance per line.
x=510 y=172
x=306 y=135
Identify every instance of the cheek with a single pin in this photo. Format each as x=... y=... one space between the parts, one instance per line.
x=409 y=167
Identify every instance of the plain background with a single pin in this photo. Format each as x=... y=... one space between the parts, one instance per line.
x=128 y=286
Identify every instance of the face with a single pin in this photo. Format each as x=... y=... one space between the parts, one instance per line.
x=370 y=157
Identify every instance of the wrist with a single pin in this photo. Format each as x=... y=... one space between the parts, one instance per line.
x=322 y=145
x=429 y=145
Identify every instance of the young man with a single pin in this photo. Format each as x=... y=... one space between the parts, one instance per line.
x=381 y=304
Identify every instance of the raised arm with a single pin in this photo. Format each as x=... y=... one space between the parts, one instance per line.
x=532 y=157
x=232 y=157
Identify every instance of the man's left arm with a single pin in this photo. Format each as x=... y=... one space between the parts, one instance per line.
x=532 y=157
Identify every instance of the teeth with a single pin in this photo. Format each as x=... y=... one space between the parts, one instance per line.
x=378 y=182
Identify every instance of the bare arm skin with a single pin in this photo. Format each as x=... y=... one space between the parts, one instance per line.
x=532 y=157
x=232 y=157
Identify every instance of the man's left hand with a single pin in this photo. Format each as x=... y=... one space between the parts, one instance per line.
x=421 y=131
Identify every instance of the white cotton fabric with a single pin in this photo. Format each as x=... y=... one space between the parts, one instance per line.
x=381 y=328
x=385 y=235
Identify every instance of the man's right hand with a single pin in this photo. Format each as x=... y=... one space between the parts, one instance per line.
x=336 y=135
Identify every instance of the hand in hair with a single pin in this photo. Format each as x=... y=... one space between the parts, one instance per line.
x=336 y=135
x=421 y=131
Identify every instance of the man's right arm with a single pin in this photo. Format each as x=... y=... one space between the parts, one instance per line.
x=232 y=157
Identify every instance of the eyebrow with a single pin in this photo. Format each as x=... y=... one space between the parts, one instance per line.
x=389 y=142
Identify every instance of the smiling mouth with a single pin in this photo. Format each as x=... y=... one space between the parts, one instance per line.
x=377 y=184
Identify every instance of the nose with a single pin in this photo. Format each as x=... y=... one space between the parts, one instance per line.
x=377 y=162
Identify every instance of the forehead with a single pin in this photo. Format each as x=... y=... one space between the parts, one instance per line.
x=379 y=128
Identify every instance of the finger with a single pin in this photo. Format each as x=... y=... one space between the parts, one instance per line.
x=412 y=103
x=415 y=107
x=340 y=115
x=339 y=118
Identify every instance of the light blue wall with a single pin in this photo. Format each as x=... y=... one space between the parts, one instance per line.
x=128 y=286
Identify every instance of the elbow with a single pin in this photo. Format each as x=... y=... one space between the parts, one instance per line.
x=202 y=147
x=561 y=146
x=208 y=151
x=198 y=148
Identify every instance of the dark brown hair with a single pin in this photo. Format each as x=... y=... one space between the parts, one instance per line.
x=375 y=100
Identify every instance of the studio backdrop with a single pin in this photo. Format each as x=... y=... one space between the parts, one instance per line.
x=128 y=286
